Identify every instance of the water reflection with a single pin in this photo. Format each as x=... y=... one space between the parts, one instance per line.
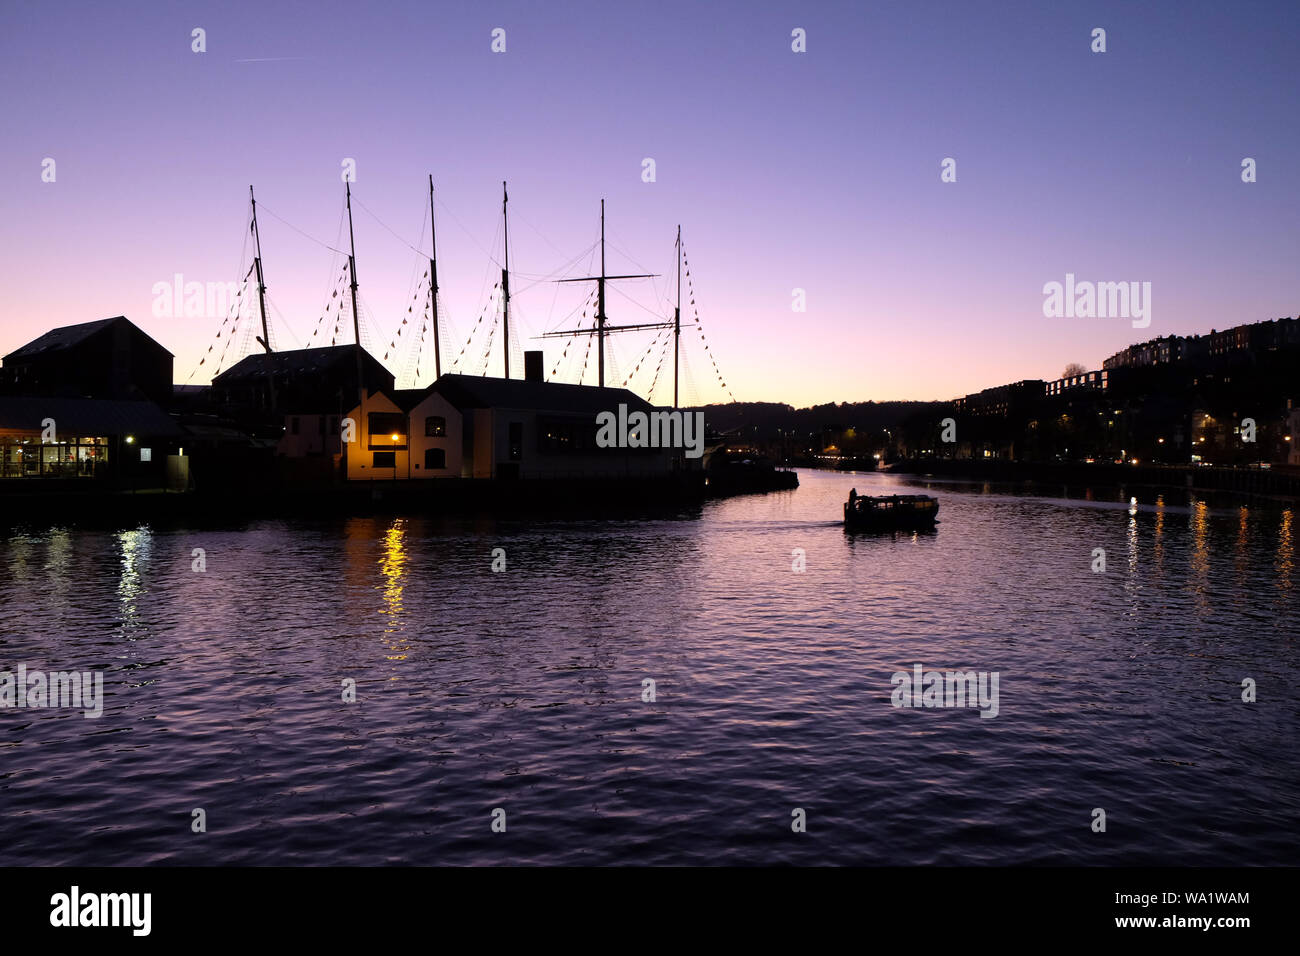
x=1158 y=544
x=1200 y=556
x=764 y=676
x=134 y=548
x=57 y=564
x=392 y=570
x=1241 y=555
x=1285 y=562
x=1131 y=584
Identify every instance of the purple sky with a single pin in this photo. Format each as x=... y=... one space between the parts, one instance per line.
x=818 y=171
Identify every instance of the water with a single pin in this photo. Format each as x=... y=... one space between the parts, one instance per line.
x=522 y=690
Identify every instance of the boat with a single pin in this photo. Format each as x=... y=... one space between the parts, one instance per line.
x=889 y=512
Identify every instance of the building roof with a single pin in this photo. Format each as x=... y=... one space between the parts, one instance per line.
x=69 y=335
x=297 y=362
x=472 y=391
x=407 y=398
x=86 y=416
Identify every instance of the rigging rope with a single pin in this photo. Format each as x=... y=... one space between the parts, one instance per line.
x=234 y=313
x=662 y=355
x=645 y=355
x=333 y=302
x=476 y=325
x=569 y=341
x=690 y=284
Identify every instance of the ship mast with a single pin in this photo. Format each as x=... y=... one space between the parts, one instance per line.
x=261 y=282
x=356 y=318
x=433 y=285
x=677 y=315
x=602 y=329
x=261 y=298
x=600 y=299
x=505 y=277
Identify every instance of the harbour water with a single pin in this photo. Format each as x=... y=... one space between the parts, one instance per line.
x=524 y=689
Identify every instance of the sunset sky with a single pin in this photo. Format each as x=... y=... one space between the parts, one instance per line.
x=816 y=170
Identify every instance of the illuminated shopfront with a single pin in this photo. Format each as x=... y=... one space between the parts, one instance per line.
x=26 y=456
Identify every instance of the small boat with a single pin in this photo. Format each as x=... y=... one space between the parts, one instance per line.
x=889 y=512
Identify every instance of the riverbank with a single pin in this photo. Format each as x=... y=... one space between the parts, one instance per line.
x=1278 y=482
x=31 y=502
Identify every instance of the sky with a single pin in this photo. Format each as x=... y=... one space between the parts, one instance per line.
x=817 y=171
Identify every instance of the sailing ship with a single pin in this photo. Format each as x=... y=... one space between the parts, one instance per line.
x=599 y=330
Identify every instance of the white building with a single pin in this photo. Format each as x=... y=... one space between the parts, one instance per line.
x=465 y=426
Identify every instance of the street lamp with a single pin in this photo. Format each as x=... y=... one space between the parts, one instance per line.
x=130 y=440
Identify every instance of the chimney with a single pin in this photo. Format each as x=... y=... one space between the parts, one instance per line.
x=533 y=367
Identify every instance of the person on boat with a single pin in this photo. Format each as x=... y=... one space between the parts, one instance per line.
x=853 y=496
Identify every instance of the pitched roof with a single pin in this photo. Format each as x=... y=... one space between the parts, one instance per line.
x=69 y=335
x=296 y=362
x=87 y=416
x=471 y=391
x=407 y=398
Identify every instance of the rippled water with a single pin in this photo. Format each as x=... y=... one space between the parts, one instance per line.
x=522 y=690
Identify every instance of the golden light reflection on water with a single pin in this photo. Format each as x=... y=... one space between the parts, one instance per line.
x=1200 y=557
x=1241 y=559
x=392 y=569
x=1159 y=535
x=1285 y=562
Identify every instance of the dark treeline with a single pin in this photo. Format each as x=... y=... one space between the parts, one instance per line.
x=847 y=429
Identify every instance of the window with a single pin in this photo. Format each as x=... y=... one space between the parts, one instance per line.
x=435 y=458
x=384 y=459
x=146 y=454
x=565 y=434
x=516 y=441
x=387 y=430
x=435 y=426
